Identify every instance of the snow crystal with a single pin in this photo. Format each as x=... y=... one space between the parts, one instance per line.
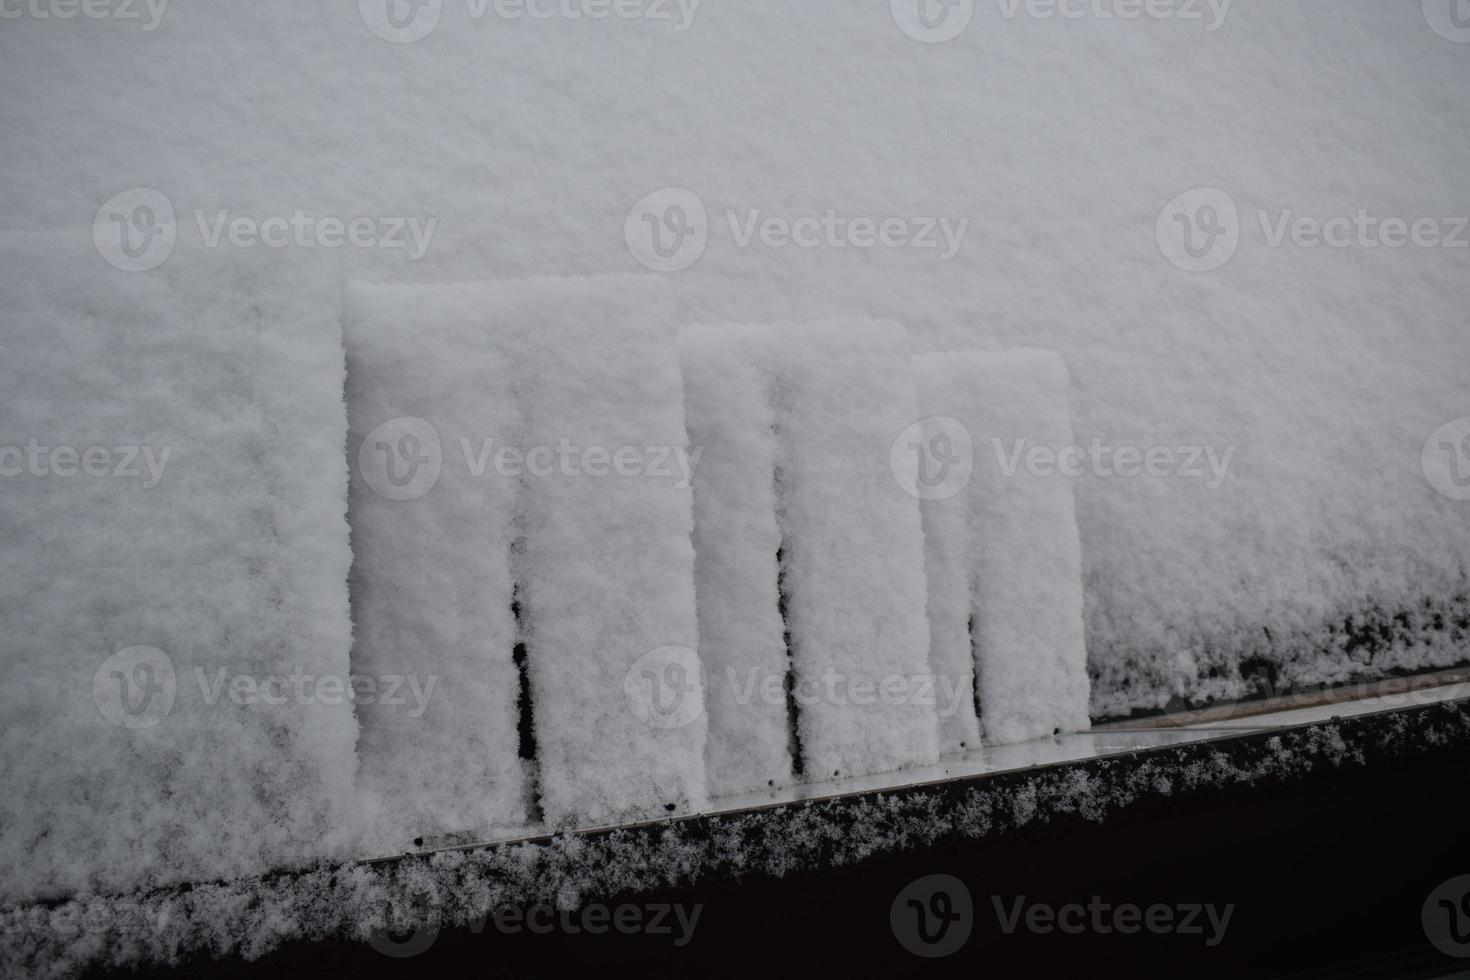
x=432 y=530
x=1025 y=561
x=174 y=590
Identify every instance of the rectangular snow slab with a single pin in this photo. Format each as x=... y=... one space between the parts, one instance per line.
x=607 y=566
x=736 y=540
x=851 y=574
x=176 y=626
x=429 y=397
x=853 y=546
x=1025 y=563
x=932 y=461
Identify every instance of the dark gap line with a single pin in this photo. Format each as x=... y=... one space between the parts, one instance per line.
x=525 y=711
x=974 y=667
x=793 y=710
x=777 y=398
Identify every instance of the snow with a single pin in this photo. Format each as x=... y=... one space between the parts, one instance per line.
x=851 y=540
x=1060 y=139
x=432 y=590
x=947 y=547
x=1025 y=560
x=176 y=632
x=607 y=567
x=736 y=540
x=573 y=500
x=1322 y=554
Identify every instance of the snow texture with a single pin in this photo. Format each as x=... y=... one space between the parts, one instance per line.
x=951 y=609
x=1060 y=139
x=608 y=568
x=1025 y=562
x=431 y=580
x=852 y=565
x=226 y=748
x=736 y=541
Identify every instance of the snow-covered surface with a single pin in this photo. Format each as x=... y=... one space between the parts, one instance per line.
x=852 y=545
x=431 y=585
x=1024 y=564
x=1061 y=140
x=1321 y=552
x=947 y=547
x=607 y=568
x=736 y=541
x=175 y=591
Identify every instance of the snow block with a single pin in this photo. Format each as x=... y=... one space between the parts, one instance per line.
x=736 y=541
x=173 y=599
x=851 y=573
x=607 y=566
x=1025 y=562
x=853 y=549
x=429 y=399
x=931 y=449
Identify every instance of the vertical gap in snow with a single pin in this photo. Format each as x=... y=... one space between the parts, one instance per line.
x=778 y=397
x=783 y=605
x=793 y=718
x=975 y=672
x=526 y=726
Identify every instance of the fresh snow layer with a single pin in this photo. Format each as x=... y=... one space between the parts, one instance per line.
x=607 y=568
x=945 y=508
x=853 y=548
x=431 y=583
x=173 y=684
x=1059 y=139
x=736 y=541
x=851 y=572
x=1025 y=561
x=554 y=407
